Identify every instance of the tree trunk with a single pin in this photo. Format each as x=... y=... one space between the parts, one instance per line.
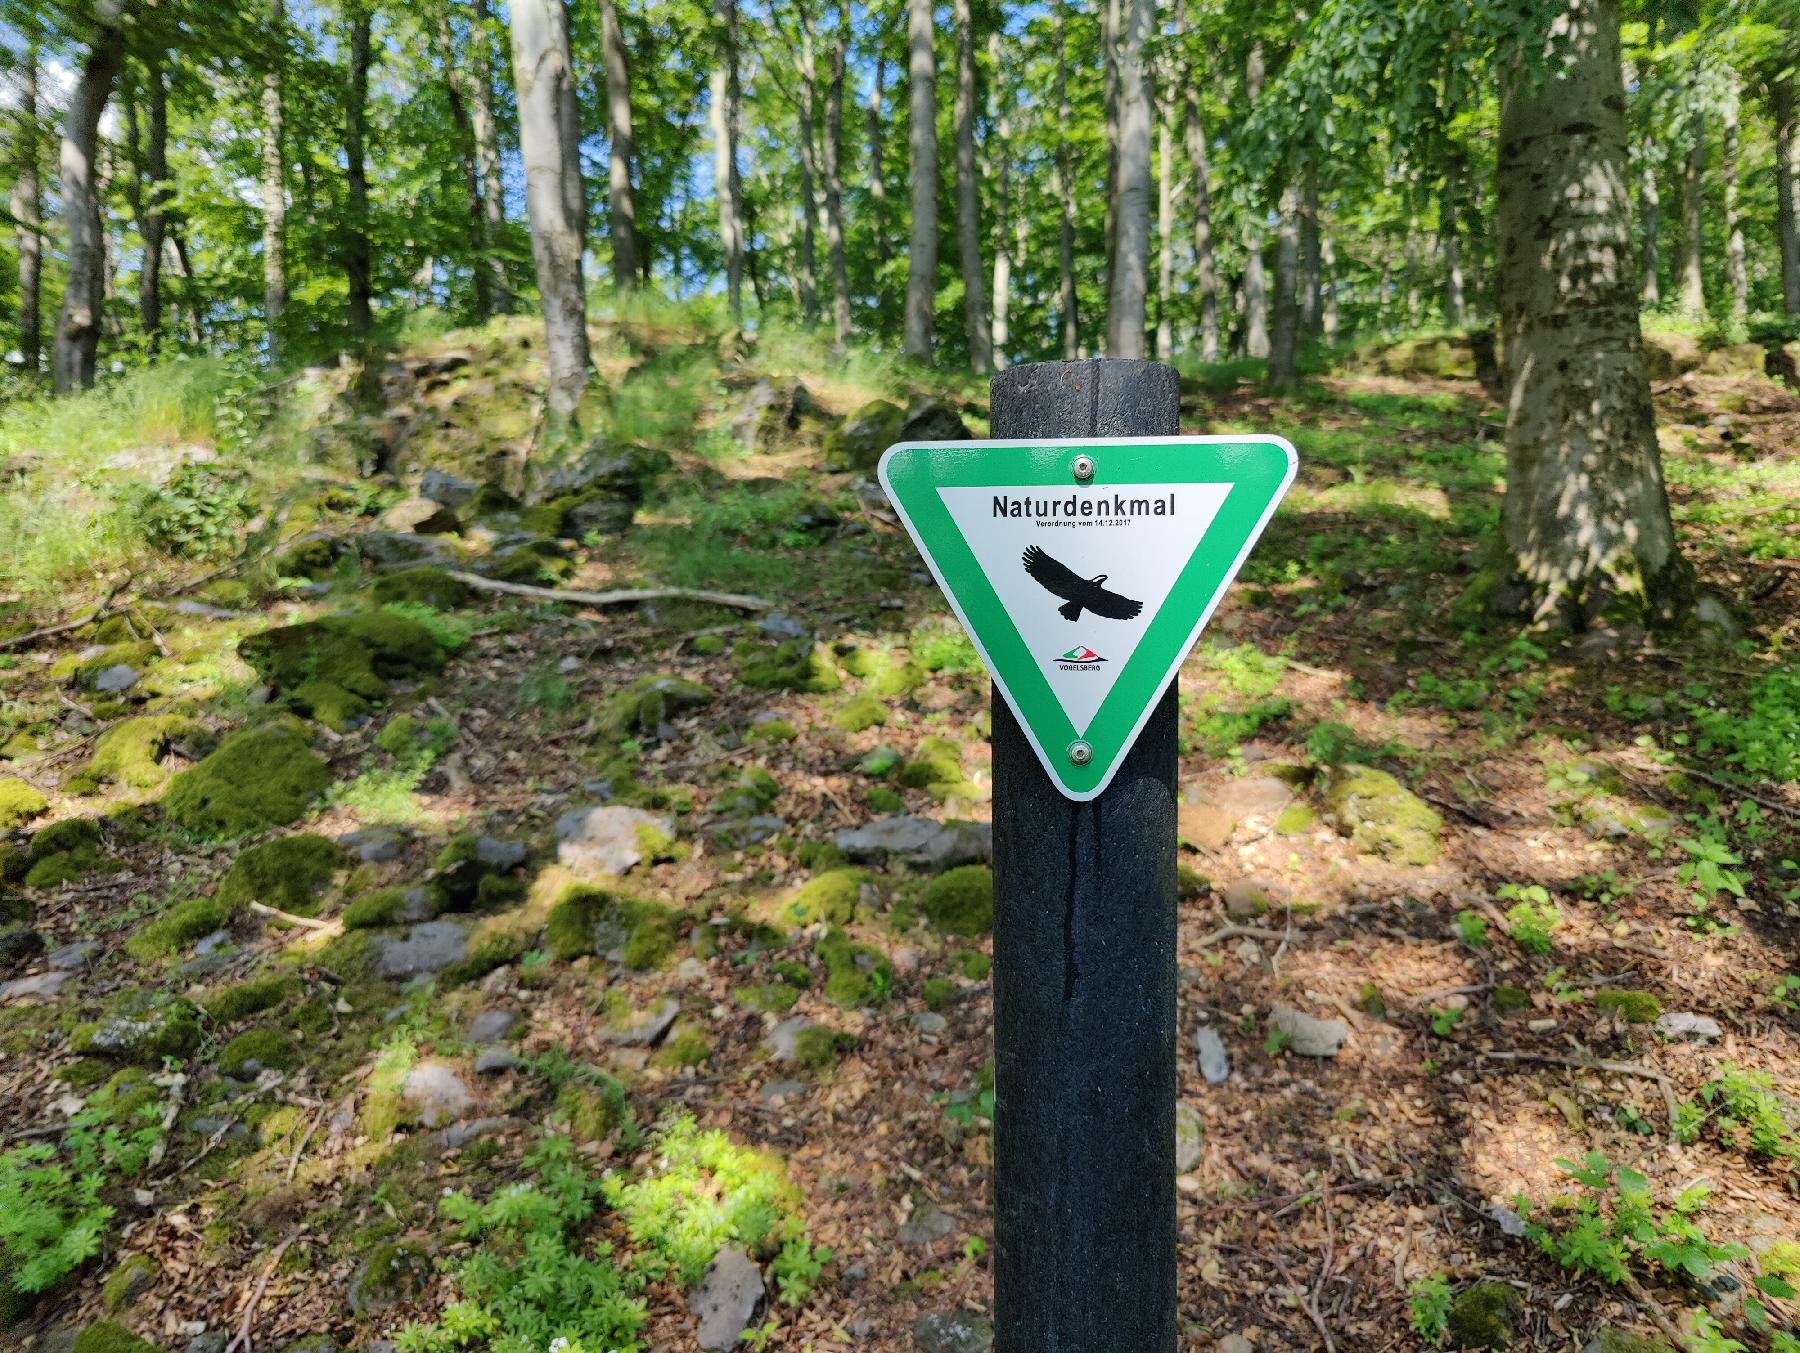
x=83 y=303
x=1327 y=267
x=1693 y=283
x=1110 y=18
x=1284 y=338
x=274 y=183
x=1125 y=313
x=999 y=170
x=357 y=253
x=1450 y=236
x=807 y=274
x=1650 y=213
x=1787 y=190
x=1737 y=281
x=1206 y=275
x=26 y=202
x=1310 y=263
x=154 y=200
x=1411 y=267
x=1165 y=227
x=190 y=285
x=487 y=156
x=1065 y=193
x=968 y=198
x=542 y=73
x=464 y=130
x=621 y=205
x=1585 y=530
x=726 y=185
x=1256 y=305
x=921 y=135
x=873 y=113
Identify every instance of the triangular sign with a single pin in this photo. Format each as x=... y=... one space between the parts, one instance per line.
x=1084 y=570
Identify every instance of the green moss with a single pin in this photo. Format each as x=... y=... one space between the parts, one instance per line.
x=881 y=799
x=855 y=974
x=309 y=559
x=291 y=874
x=267 y=1047
x=1611 y=1340
x=1510 y=998
x=1634 y=1007
x=178 y=927
x=106 y=1336
x=815 y=1047
x=1371 y=1002
x=536 y=563
x=862 y=713
x=589 y=921
x=141 y=1027
x=494 y=893
x=961 y=901
x=818 y=856
x=19 y=803
x=972 y=964
x=138 y=656
x=649 y=702
x=685 y=1046
x=930 y=771
x=1381 y=816
x=1483 y=1316
x=399 y=736
x=131 y=753
x=385 y=907
x=940 y=993
x=831 y=897
x=230 y=1004
x=83 y=1075
x=335 y=668
x=769 y=998
x=707 y=645
x=125 y=1097
x=433 y=587
x=593 y=1111
x=1190 y=883
x=772 y=730
x=60 y=853
x=15 y=1305
x=260 y=778
x=793 y=665
x=1295 y=820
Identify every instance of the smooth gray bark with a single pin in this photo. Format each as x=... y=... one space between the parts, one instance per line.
x=1737 y=279
x=153 y=215
x=1650 y=213
x=999 y=171
x=831 y=157
x=26 y=203
x=1310 y=275
x=621 y=203
x=358 y=265
x=1692 y=279
x=464 y=129
x=727 y=188
x=1585 y=530
x=806 y=274
x=921 y=136
x=542 y=72
x=274 y=182
x=1067 y=303
x=1126 y=311
x=968 y=199
x=79 y=322
x=1328 y=324
x=1206 y=274
x=873 y=115
x=487 y=156
x=1165 y=228
x=1786 y=108
x=1285 y=334
x=1256 y=302
x=1450 y=240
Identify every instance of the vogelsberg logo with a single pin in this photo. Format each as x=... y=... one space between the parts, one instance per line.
x=1080 y=658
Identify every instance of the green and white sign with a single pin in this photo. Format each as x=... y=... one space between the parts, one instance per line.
x=1085 y=570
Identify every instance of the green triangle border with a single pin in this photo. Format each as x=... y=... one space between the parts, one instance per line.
x=1259 y=468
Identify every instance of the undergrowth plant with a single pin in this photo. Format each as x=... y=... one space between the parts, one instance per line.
x=1428 y=1308
x=1531 y=918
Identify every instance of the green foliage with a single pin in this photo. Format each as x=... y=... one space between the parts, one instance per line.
x=1239 y=699
x=1471 y=928
x=1747 y=1099
x=1532 y=918
x=1711 y=869
x=1762 y=740
x=945 y=650
x=197 y=513
x=1428 y=1308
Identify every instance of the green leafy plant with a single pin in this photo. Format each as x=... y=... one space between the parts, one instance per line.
x=1747 y=1099
x=1428 y=1308
x=197 y=513
x=1710 y=870
x=797 y=1268
x=1471 y=928
x=1531 y=918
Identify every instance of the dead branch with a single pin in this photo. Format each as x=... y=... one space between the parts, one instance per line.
x=1239 y=932
x=1596 y=1064
x=305 y=922
x=627 y=597
x=241 y=1344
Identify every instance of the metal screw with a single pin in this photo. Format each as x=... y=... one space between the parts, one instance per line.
x=1080 y=753
x=1084 y=468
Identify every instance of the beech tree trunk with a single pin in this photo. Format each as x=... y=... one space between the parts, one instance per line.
x=1650 y=213
x=999 y=170
x=26 y=203
x=1586 y=537
x=1787 y=190
x=921 y=135
x=1110 y=19
x=1065 y=194
x=83 y=304
x=1165 y=227
x=834 y=179
x=1693 y=281
x=1256 y=304
x=1284 y=338
x=274 y=183
x=621 y=204
x=1310 y=263
x=1328 y=328
x=487 y=157
x=806 y=275
x=1450 y=238
x=357 y=253
x=153 y=217
x=543 y=74
x=464 y=130
x=873 y=114
x=1206 y=275
x=1131 y=215
x=1737 y=279
x=968 y=200
x=727 y=187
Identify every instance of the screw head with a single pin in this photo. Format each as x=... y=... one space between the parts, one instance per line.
x=1080 y=753
x=1084 y=468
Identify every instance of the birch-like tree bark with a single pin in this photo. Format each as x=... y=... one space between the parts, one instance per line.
x=727 y=188
x=831 y=157
x=464 y=131
x=79 y=322
x=1692 y=279
x=1786 y=108
x=487 y=156
x=542 y=72
x=999 y=171
x=1165 y=224
x=807 y=275
x=1737 y=278
x=1310 y=264
x=1125 y=312
x=921 y=136
x=621 y=204
x=1328 y=324
x=1285 y=334
x=26 y=203
x=1450 y=240
x=1586 y=537
x=1066 y=301
x=274 y=181
x=968 y=198
x=1256 y=304
x=1650 y=213
x=873 y=115
x=154 y=215
x=358 y=265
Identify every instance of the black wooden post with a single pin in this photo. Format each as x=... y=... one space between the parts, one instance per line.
x=1084 y=979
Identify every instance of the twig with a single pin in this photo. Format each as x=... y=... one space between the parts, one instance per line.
x=307 y=922
x=242 y=1341
x=1595 y=1064
x=626 y=597
x=312 y=1125
x=1658 y=1316
x=1239 y=932
x=50 y=631
x=1718 y=780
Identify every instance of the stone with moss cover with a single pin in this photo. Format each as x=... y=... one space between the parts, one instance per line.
x=142 y=1027
x=960 y=901
x=230 y=1004
x=589 y=921
x=855 y=974
x=388 y=1275
x=433 y=587
x=291 y=874
x=63 y=852
x=260 y=778
x=179 y=926
x=107 y=1336
x=650 y=702
x=594 y=1107
x=19 y=804
x=792 y=665
x=860 y=714
x=128 y=1281
x=131 y=753
x=686 y=1046
x=832 y=897
x=1610 y=1340
x=257 y=1050
x=1381 y=816
x=1482 y=1316
x=335 y=669
x=1633 y=1007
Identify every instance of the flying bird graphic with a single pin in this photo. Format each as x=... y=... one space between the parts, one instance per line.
x=1081 y=594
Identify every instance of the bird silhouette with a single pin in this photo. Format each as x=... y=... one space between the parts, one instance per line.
x=1081 y=594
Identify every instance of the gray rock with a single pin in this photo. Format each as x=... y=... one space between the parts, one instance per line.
x=43 y=986
x=1215 y=1062
x=1190 y=1136
x=436 y=1095
x=783 y=1041
x=490 y=1026
x=1249 y=898
x=446 y=489
x=770 y=410
x=459 y=1135
x=596 y=842
x=644 y=1028
x=953 y=1332
x=213 y=953
x=1307 y=1035
x=421 y=516
x=428 y=947
x=779 y=1092
x=494 y=1061
x=928 y=1223
x=1234 y=1343
x=112 y=680
x=868 y=432
x=779 y=626
x=932 y=420
x=212 y=1341
x=499 y=855
x=389 y=1275
x=203 y=611
x=599 y=514
x=1686 y=1025
x=396 y=549
x=142 y=1026
x=726 y=1299
x=375 y=845
x=930 y=1022
x=918 y=841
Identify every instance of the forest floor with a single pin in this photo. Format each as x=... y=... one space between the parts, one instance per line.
x=1555 y=953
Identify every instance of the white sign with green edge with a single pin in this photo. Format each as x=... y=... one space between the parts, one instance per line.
x=1084 y=570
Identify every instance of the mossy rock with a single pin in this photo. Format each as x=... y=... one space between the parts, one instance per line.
x=650 y=702
x=860 y=714
x=941 y=993
x=686 y=1045
x=258 y=1050
x=960 y=901
x=594 y=1108
x=1610 y=1340
x=433 y=587
x=772 y=730
x=815 y=1047
x=62 y=852
x=792 y=665
x=1296 y=820
x=312 y=559
x=19 y=804
x=230 y=1004
x=1482 y=1316
x=138 y=655
x=291 y=874
x=1381 y=816
x=589 y=921
x=260 y=778
x=178 y=927
x=107 y=1336
x=127 y=1282
x=131 y=753
x=336 y=668
x=855 y=974
x=463 y=874
x=141 y=1027
x=768 y=998
x=1510 y=998
x=387 y=1276
x=1190 y=883
x=127 y=1098
x=972 y=964
x=881 y=799
x=858 y=443
x=831 y=897
x=1633 y=1007
x=929 y=771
